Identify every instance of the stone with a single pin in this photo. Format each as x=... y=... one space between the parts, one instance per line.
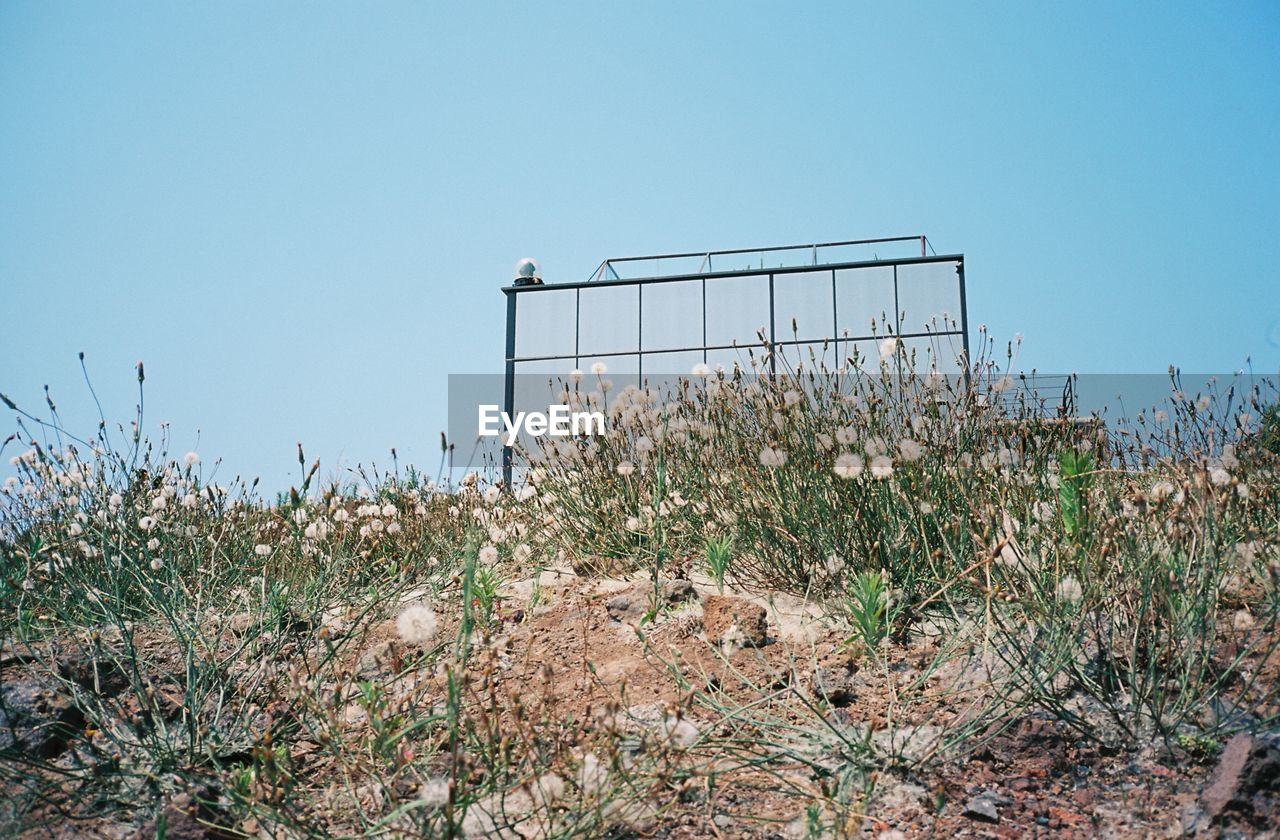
x=1244 y=790
x=677 y=591
x=35 y=718
x=838 y=683
x=630 y=607
x=242 y=622
x=191 y=815
x=376 y=661
x=723 y=613
x=100 y=675
x=982 y=808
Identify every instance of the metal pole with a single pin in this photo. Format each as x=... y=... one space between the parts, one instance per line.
x=509 y=385
x=964 y=319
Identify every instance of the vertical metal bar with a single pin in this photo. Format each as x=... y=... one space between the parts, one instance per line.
x=897 y=307
x=964 y=319
x=922 y=246
x=509 y=383
x=640 y=334
x=577 y=328
x=897 y=320
x=704 y=320
x=835 y=320
x=773 y=351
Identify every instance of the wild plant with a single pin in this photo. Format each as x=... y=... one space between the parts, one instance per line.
x=718 y=553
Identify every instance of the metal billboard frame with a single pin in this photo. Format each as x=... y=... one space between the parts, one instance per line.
x=514 y=292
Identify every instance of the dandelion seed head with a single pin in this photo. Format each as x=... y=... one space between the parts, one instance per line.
x=599 y=369
x=488 y=555
x=910 y=450
x=1070 y=590
x=435 y=792
x=416 y=624
x=191 y=459
x=848 y=466
x=881 y=466
x=772 y=457
x=261 y=549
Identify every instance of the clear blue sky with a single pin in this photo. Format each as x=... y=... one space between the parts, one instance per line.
x=299 y=214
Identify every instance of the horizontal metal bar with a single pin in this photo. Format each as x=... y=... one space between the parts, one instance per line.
x=877 y=241
x=715 y=275
x=788 y=343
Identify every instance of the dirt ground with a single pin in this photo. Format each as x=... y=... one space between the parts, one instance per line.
x=624 y=656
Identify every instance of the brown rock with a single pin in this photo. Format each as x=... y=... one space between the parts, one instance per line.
x=722 y=612
x=678 y=590
x=629 y=607
x=188 y=816
x=838 y=683
x=1245 y=786
x=35 y=718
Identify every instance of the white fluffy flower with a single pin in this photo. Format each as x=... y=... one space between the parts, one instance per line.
x=146 y=523
x=416 y=624
x=909 y=449
x=489 y=555
x=772 y=457
x=261 y=549
x=888 y=347
x=156 y=564
x=435 y=792
x=1069 y=589
x=599 y=369
x=625 y=468
x=881 y=466
x=191 y=459
x=700 y=369
x=848 y=465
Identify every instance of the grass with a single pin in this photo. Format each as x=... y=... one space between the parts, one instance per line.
x=1124 y=583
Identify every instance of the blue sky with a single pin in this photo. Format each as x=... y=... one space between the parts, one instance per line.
x=299 y=215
